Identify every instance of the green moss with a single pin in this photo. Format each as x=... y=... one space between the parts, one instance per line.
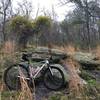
x=92 y=82
x=9 y=95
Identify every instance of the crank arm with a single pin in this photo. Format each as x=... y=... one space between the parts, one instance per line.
x=23 y=78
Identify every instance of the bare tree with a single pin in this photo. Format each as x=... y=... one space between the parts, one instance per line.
x=5 y=4
x=25 y=8
x=90 y=10
x=37 y=11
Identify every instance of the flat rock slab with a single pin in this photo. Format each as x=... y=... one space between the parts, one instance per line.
x=46 y=50
x=43 y=53
x=81 y=57
x=88 y=59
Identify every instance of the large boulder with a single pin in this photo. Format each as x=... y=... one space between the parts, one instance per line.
x=88 y=60
x=41 y=53
x=85 y=59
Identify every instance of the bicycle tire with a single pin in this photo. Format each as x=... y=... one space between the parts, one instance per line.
x=55 y=88
x=6 y=72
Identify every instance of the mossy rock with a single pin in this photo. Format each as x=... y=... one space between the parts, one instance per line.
x=87 y=60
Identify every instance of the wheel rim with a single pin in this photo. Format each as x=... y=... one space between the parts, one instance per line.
x=53 y=82
x=12 y=80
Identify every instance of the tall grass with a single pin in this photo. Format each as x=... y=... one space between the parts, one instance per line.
x=23 y=94
x=9 y=47
x=77 y=90
x=75 y=83
x=7 y=58
x=26 y=93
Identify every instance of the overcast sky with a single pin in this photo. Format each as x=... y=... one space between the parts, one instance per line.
x=47 y=5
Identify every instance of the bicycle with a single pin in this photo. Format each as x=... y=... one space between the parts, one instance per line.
x=53 y=77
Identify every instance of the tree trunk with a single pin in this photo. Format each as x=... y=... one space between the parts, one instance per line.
x=3 y=27
x=87 y=23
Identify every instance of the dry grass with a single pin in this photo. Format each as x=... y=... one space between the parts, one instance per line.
x=26 y=91
x=70 y=50
x=75 y=83
x=97 y=51
x=24 y=94
x=7 y=52
x=77 y=89
x=7 y=57
x=9 y=47
x=67 y=49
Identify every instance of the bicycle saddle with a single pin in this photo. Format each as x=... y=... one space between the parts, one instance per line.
x=26 y=56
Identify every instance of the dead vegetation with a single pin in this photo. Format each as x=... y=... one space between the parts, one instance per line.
x=76 y=88
x=26 y=93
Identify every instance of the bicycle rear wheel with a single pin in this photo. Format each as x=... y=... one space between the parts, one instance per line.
x=12 y=76
x=53 y=79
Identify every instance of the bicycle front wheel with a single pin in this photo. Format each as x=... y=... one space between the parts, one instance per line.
x=54 y=78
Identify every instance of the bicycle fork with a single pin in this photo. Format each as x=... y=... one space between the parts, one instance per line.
x=50 y=71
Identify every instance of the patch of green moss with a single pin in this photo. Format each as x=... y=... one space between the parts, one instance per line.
x=9 y=95
x=88 y=77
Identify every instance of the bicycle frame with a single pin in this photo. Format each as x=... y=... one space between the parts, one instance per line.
x=46 y=63
x=39 y=70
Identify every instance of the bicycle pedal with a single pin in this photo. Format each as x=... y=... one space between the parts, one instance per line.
x=23 y=78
